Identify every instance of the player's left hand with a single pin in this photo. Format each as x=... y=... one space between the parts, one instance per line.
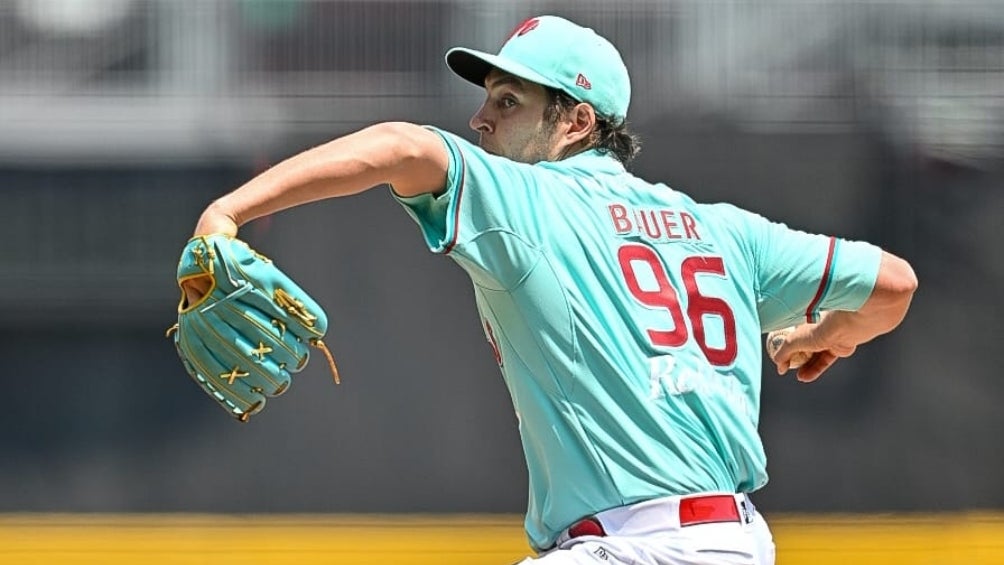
x=803 y=348
x=215 y=219
x=243 y=326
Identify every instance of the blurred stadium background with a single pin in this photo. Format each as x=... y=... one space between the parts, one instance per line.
x=121 y=119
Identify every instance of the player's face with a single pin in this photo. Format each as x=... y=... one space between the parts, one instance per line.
x=511 y=120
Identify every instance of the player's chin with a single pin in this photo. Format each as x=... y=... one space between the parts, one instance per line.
x=488 y=148
x=518 y=157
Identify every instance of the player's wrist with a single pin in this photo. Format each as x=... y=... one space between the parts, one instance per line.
x=216 y=220
x=838 y=332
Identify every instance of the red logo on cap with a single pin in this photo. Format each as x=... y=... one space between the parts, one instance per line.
x=582 y=82
x=524 y=28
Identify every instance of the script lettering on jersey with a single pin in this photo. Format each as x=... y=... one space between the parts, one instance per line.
x=653 y=224
x=666 y=376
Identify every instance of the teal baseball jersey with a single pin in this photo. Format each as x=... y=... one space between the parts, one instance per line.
x=627 y=319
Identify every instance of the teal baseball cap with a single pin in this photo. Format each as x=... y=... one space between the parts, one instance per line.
x=555 y=52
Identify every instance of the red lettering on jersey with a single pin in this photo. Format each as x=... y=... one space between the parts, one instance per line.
x=650 y=230
x=618 y=214
x=689 y=225
x=653 y=224
x=582 y=82
x=669 y=224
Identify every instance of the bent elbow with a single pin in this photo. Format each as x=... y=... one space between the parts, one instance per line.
x=895 y=285
x=905 y=278
x=404 y=140
x=418 y=158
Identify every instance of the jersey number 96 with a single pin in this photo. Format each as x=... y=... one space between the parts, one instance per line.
x=698 y=305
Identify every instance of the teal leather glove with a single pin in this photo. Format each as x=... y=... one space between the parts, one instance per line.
x=243 y=339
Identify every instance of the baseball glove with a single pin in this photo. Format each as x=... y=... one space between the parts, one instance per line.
x=241 y=341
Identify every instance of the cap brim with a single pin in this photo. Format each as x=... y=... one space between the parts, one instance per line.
x=473 y=66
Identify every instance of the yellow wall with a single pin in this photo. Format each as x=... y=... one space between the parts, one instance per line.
x=975 y=539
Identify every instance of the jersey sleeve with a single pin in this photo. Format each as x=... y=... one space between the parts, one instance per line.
x=799 y=274
x=488 y=217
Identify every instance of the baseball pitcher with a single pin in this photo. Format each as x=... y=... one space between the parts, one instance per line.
x=625 y=317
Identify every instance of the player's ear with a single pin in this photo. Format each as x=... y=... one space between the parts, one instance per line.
x=582 y=122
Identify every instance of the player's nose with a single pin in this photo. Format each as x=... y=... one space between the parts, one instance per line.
x=480 y=122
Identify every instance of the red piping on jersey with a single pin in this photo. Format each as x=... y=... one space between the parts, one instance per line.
x=456 y=213
x=823 y=282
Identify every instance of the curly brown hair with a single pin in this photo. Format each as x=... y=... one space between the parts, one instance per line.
x=608 y=137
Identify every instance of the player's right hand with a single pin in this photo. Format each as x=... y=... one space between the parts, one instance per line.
x=805 y=348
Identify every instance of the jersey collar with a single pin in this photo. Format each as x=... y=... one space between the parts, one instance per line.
x=592 y=161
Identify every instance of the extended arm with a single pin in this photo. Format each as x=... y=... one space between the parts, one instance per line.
x=838 y=333
x=410 y=158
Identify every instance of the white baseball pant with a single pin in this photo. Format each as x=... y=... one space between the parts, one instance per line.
x=704 y=529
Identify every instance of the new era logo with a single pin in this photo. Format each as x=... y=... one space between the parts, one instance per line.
x=582 y=82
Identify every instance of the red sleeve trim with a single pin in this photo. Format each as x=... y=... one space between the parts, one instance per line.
x=823 y=283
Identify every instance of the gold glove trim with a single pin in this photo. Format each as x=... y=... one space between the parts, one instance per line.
x=261 y=350
x=204 y=259
x=238 y=353
x=243 y=418
x=231 y=399
x=281 y=326
x=331 y=358
x=264 y=329
x=234 y=374
x=294 y=307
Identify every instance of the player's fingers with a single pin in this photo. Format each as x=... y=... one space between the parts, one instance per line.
x=841 y=351
x=816 y=366
x=789 y=354
x=775 y=341
x=780 y=354
x=782 y=364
